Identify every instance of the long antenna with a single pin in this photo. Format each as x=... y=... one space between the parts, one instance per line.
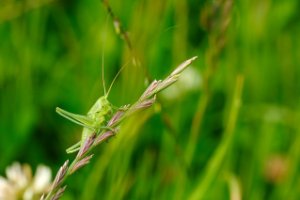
x=102 y=62
x=115 y=78
x=102 y=72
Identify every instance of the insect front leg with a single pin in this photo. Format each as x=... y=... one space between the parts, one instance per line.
x=74 y=148
x=108 y=128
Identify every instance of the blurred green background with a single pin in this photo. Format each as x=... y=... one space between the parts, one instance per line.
x=196 y=142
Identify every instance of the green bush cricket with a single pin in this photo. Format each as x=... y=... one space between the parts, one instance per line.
x=94 y=120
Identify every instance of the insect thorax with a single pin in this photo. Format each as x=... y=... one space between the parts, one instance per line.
x=100 y=110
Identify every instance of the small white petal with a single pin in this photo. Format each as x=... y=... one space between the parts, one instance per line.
x=17 y=176
x=28 y=194
x=7 y=191
x=42 y=179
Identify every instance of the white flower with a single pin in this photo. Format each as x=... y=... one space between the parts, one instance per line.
x=20 y=184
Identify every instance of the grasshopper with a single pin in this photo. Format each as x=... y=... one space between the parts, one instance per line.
x=94 y=120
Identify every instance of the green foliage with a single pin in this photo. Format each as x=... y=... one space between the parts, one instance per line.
x=198 y=140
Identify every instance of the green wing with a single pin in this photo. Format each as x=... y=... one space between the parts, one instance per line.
x=81 y=120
